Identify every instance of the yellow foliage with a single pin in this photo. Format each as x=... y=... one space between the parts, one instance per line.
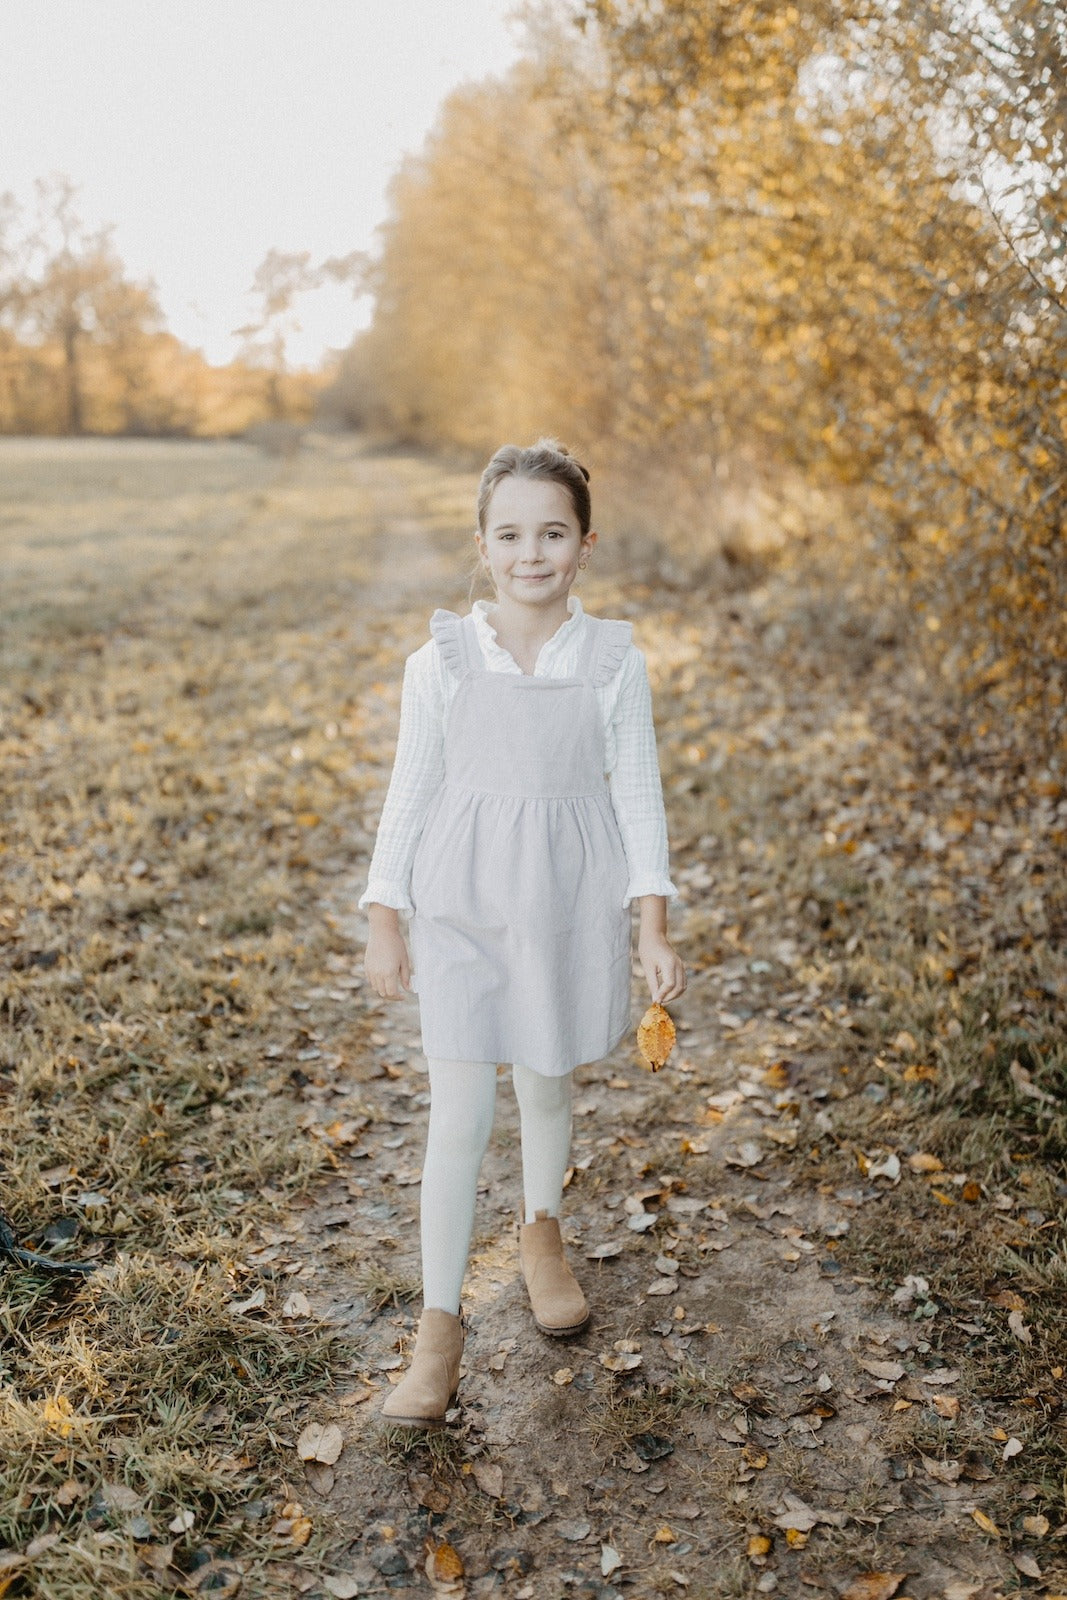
x=718 y=243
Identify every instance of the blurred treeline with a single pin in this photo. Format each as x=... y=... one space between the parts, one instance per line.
x=83 y=349
x=778 y=270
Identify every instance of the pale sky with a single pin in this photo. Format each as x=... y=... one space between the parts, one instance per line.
x=210 y=131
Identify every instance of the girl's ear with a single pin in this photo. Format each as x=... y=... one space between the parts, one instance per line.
x=589 y=540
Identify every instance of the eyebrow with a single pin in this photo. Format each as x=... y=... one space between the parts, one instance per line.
x=511 y=527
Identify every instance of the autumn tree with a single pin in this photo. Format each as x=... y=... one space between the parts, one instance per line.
x=790 y=247
x=280 y=280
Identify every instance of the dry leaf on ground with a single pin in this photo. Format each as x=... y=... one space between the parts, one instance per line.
x=874 y=1586
x=320 y=1441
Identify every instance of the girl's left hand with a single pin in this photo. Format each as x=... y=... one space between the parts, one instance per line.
x=661 y=966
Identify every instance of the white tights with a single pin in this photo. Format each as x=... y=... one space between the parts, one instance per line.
x=462 y=1101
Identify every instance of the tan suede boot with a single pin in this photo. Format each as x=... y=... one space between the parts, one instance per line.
x=428 y=1387
x=559 y=1306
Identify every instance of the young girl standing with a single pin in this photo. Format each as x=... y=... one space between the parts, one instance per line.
x=523 y=816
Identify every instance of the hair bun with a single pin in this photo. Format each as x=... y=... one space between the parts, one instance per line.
x=548 y=443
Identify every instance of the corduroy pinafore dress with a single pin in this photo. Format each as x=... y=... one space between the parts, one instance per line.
x=520 y=939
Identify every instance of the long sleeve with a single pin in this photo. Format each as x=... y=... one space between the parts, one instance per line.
x=636 y=789
x=418 y=770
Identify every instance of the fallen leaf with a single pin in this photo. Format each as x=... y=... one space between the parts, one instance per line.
x=621 y=1363
x=38 y=1547
x=747 y=1154
x=356 y=1397
x=887 y=1371
x=1025 y=1086
x=874 y=1586
x=758 y=1546
x=429 y=1494
x=489 y=1477
x=1008 y=1300
x=1019 y=1328
x=1013 y=1447
x=297 y=1305
x=888 y=1167
x=1036 y=1527
x=905 y=1043
x=1026 y=1564
x=182 y=1522
x=255 y=1302
x=321 y=1479
x=604 y=1252
x=341 y=1586
x=562 y=1376
x=641 y=1221
x=796 y=1514
x=946 y=1405
x=320 y=1441
x=664 y=1535
x=662 y=1286
x=913 y=1288
x=610 y=1560
x=447 y=1563
x=57 y=1412
x=118 y=1497
x=986 y=1524
x=947 y=1472
x=922 y=1161
x=573 y=1530
x=216 y=1578
x=941 y=1375
x=655 y=1037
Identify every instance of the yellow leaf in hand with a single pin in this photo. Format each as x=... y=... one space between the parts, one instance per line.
x=655 y=1037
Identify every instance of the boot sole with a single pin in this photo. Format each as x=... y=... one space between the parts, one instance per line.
x=563 y=1333
x=419 y=1422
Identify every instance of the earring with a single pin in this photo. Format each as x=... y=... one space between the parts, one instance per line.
x=584 y=564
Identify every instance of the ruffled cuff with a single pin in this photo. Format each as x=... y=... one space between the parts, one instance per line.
x=381 y=892
x=652 y=883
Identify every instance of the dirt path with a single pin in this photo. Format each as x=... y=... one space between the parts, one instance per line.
x=804 y=1242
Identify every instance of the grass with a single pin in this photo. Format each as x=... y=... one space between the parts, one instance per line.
x=382 y=1286
x=189 y=727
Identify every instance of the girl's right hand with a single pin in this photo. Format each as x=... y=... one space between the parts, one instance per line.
x=386 y=962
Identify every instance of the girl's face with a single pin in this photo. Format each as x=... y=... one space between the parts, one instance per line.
x=533 y=542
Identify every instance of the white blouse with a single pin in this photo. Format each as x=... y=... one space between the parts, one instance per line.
x=631 y=762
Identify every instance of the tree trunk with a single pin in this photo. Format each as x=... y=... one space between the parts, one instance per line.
x=75 y=418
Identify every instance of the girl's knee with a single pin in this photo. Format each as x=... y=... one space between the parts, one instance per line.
x=537 y=1092
x=462 y=1102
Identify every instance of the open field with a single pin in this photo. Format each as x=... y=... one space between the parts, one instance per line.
x=824 y=1248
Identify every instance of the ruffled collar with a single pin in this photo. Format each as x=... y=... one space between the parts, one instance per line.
x=561 y=640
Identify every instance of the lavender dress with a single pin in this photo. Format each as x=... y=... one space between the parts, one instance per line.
x=520 y=939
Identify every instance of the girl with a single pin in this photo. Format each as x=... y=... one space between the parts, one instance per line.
x=517 y=862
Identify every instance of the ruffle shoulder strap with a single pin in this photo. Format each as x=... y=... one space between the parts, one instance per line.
x=445 y=627
x=615 y=639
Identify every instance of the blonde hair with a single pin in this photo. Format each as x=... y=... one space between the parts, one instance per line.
x=546 y=459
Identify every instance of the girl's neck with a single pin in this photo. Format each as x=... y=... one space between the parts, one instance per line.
x=522 y=630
